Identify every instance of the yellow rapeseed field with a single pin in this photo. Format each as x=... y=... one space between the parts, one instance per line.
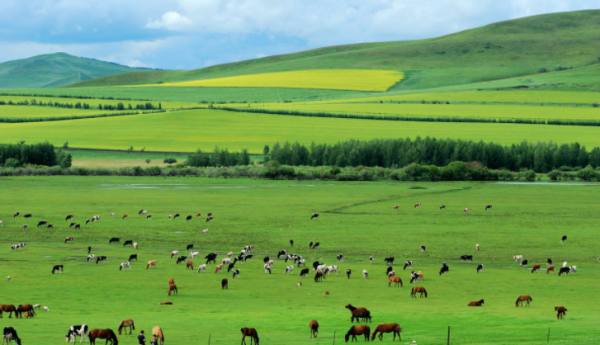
x=336 y=79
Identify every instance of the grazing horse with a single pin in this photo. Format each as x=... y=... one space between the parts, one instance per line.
x=173 y=288
x=107 y=334
x=159 y=334
x=10 y=334
x=249 y=332
x=562 y=311
x=151 y=264
x=535 y=268
x=314 y=215
x=418 y=205
x=418 y=289
x=314 y=328
x=224 y=284
x=523 y=298
x=550 y=268
x=358 y=313
x=75 y=331
x=171 y=281
x=387 y=328
x=475 y=304
x=125 y=324
x=27 y=308
x=358 y=330
x=396 y=280
x=10 y=309
x=69 y=239
x=189 y=264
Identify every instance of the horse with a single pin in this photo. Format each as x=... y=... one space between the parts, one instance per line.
x=475 y=304
x=387 y=328
x=173 y=288
x=314 y=328
x=151 y=264
x=10 y=309
x=395 y=280
x=157 y=331
x=125 y=324
x=396 y=207
x=224 y=284
x=562 y=311
x=358 y=330
x=107 y=334
x=171 y=281
x=418 y=289
x=166 y=303
x=319 y=276
x=27 y=308
x=523 y=298
x=249 y=332
x=358 y=313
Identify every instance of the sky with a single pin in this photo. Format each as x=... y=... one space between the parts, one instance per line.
x=187 y=34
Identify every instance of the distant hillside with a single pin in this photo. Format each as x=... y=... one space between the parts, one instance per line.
x=497 y=51
x=52 y=70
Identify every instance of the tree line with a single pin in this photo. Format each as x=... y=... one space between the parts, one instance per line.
x=42 y=154
x=79 y=105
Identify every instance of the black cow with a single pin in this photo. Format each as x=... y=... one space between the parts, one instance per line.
x=566 y=270
x=414 y=276
x=304 y=272
x=466 y=258
x=27 y=215
x=444 y=269
x=189 y=247
x=291 y=243
x=181 y=259
x=340 y=257
x=132 y=256
x=57 y=268
x=249 y=256
x=488 y=207
x=176 y=216
x=230 y=267
x=77 y=226
x=315 y=215
x=479 y=268
x=281 y=252
x=188 y=218
x=69 y=217
x=389 y=269
x=266 y=259
x=211 y=257
x=408 y=264
x=310 y=245
x=317 y=245
x=236 y=273
x=564 y=239
x=72 y=225
x=43 y=222
x=209 y=218
x=315 y=265
x=114 y=240
x=16 y=215
x=423 y=249
x=50 y=226
x=101 y=258
x=128 y=242
x=524 y=263
x=87 y=221
x=89 y=249
x=348 y=273
x=10 y=334
x=389 y=261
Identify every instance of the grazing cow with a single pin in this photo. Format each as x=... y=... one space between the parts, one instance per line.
x=518 y=258
x=549 y=262
x=114 y=240
x=358 y=330
x=226 y=261
x=87 y=221
x=418 y=205
x=10 y=334
x=565 y=264
x=314 y=328
x=479 y=268
x=389 y=269
x=77 y=226
x=397 y=207
x=224 y=284
x=16 y=215
x=124 y=216
x=443 y=207
x=289 y=269
x=236 y=273
x=340 y=257
x=151 y=264
x=230 y=266
x=299 y=284
x=291 y=243
x=348 y=273
x=189 y=264
x=573 y=269
x=477 y=247
x=176 y=216
x=423 y=249
x=317 y=245
x=550 y=268
x=198 y=215
x=188 y=218
x=24 y=226
x=8 y=308
x=387 y=328
x=89 y=249
x=408 y=264
x=281 y=253
x=310 y=245
x=445 y=269
x=166 y=303
x=371 y=259
x=90 y=257
x=128 y=243
x=414 y=276
x=267 y=269
x=314 y=215
x=101 y=258
x=49 y=226
x=330 y=269
x=249 y=332
x=69 y=239
x=43 y=222
x=181 y=259
x=15 y=247
x=205 y=231
x=211 y=257
x=304 y=272
x=391 y=274
x=173 y=288
x=124 y=324
x=174 y=253
x=149 y=217
x=467 y=210
x=27 y=215
x=418 y=289
x=58 y=268
x=193 y=255
x=358 y=313
x=72 y=225
x=488 y=207
x=535 y=268
x=112 y=214
x=46 y=308
x=74 y=331
x=564 y=239
x=218 y=268
x=523 y=298
x=389 y=261
x=132 y=257
x=475 y=304
x=1 y=223
x=321 y=268
x=135 y=245
x=141 y=212
x=466 y=258
x=562 y=311
x=524 y=263
x=96 y=218
x=249 y=256
x=209 y=218
x=189 y=247
x=365 y=274
x=396 y=280
x=201 y=268
x=125 y=265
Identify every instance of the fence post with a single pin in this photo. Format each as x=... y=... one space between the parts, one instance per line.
x=209 y=339
x=448 y=335
x=548 y=334
x=334 y=337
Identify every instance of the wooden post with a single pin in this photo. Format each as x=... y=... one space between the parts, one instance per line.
x=209 y=339
x=548 y=334
x=334 y=337
x=448 y=335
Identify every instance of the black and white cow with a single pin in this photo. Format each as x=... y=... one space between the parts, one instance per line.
x=488 y=207
x=90 y=257
x=414 y=276
x=101 y=258
x=389 y=269
x=479 y=268
x=317 y=245
x=69 y=217
x=340 y=257
x=389 y=261
x=75 y=331
x=209 y=218
x=371 y=259
x=423 y=249
x=289 y=269
x=466 y=258
x=566 y=270
x=408 y=264
x=314 y=215
x=77 y=226
x=266 y=260
x=87 y=221
x=40 y=223
x=181 y=259
x=9 y=335
x=230 y=266
x=125 y=265
x=189 y=247
x=176 y=216
x=27 y=215
x=16 y=214
x=132 y=257
x=281 y=253
x=249 y=256
x=24 y=226
x=444 y=269
x=348 y=273
x=524 y=263
x=301 y=262
x=72 y=225
x=443 y=207
x=564 y=239
x=58 y=268
x=549 y=261
x=211 y=257
x=89 y=249
x=50 y=226
x=236 y=273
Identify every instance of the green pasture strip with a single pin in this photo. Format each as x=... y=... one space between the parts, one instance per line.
x=356 y=220
x=186 y=131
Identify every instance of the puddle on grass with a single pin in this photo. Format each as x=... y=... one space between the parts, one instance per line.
x=46 y=256
x=179 y=232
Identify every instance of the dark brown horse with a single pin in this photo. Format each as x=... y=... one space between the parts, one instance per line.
x=8 y=308
x=396 y=280
x=126 y=323
x=314 y=328
x=173 y=288
x=359 y=313
x=387 y=328
x=319 y=276
x=475 y=304
x=224 y=284
x=562 y=311
x=358 y=330
x=24 y=308
x=523 y=298
x=249 y=332
x=418 y=289
x=107 y=334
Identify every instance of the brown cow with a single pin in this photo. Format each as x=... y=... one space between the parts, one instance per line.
x=189 y=264
x=535 y=268
x=218 y=268
x=550 y=268
x=418 y=205
x=69 y=239
x=314 y=328
x=124 y=216
x=166 y=303
x=224 y=284
x=396 y=207
x=151 y=264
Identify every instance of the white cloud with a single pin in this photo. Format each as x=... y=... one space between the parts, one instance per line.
x=170 y=21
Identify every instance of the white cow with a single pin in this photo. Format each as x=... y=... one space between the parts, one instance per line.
x=518 y=258
x=90 y=257
x=201 y=268
x=365 y=274
x=193 y=255
x=289 y=269
x=226 y=261
x=205 y=231
x=46 y=308
x=565 y=264
x=1 y=223
x=112 y=215
x=320 y=268
x=332 y=269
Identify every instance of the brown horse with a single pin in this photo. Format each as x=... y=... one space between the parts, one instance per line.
x=416 y=290
x=562 y=311
x=475 y=304
x=28 y=315
x=171 y=281
x=189 y=264
x=359 y=313
x=550 y=268
x=166 y=303
x=249 y=332
x=24 y=308
x=387 y=328
x=523 y=298
x=314 y=328
x=10 y=309
x=358 y=330
x=224 y=284
x=395 y=280
x=107 y=334
x=159 y=334
x=173 y=288
x=125 y=324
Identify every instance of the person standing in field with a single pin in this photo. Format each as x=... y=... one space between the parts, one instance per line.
x=154 y=340
x=141 y=338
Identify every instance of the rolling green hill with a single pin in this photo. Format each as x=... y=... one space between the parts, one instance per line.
x=53 y=70
x=497 y=51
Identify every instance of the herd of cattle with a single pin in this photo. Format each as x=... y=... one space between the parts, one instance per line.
x=320 y=269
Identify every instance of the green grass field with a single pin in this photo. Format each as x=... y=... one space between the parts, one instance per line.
x=357 y=220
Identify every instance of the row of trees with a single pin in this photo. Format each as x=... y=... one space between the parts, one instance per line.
x=79 y=105
x=71 y=96
x=219 y=157
x=17 y=155
x=540 y=157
